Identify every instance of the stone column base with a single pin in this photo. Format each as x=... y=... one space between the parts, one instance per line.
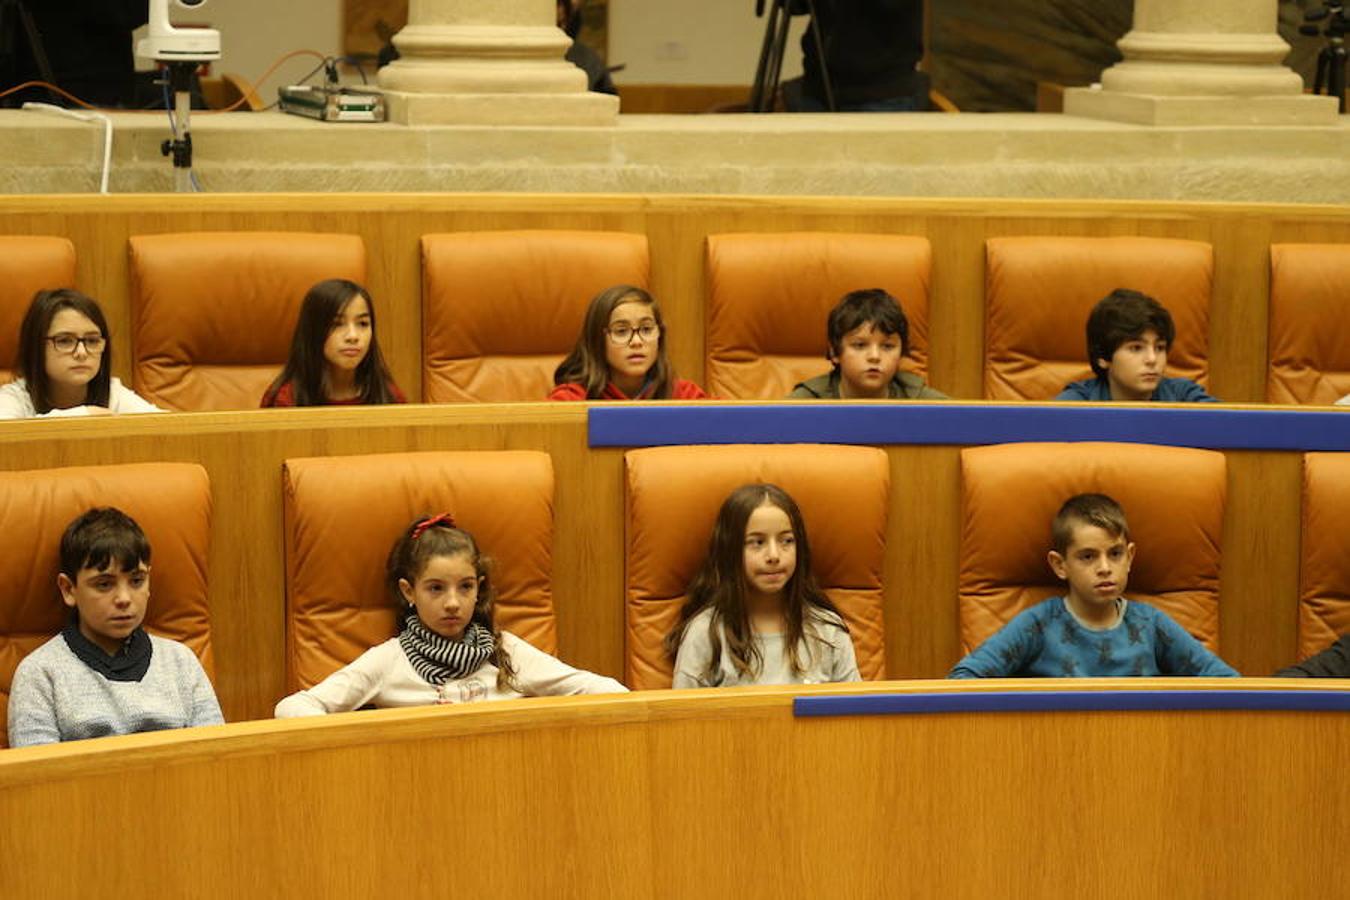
x=580 y=109
x=1171 y=111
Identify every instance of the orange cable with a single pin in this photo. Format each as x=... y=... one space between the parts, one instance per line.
x=235 y=105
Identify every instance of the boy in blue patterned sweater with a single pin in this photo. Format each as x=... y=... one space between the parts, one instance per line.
x=1092 y=631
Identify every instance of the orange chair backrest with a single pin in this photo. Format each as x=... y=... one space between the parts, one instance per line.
x=343 y=514
x=1039 y=291
x=28 y=265
x=212 y=313
x=172 y=504
x=502 y=308
x=672 y=498
x=1324 y=559
x=1309 y=323
x=769 y=296
x=1173 y=498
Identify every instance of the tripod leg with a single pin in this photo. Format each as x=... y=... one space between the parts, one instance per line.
x=1338 y=78
x=820 y=54
x=758 y=91
x=779 y=48
x=44 y=65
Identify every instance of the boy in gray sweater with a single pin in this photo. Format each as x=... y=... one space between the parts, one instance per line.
x=103 y=674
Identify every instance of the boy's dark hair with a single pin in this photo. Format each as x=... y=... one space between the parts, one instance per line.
x=1087 y=509
x=872 y=307
x=32 y=356
x=1123 y=315
x=100 y=536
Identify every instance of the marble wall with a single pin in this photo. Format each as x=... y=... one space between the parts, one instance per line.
x=988 y=57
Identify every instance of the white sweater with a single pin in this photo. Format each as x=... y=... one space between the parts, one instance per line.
x=17 y=403
x=384 y=677
x=827 y=651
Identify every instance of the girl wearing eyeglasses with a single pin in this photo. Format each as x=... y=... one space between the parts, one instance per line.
x=65 y=363
x=621 y=353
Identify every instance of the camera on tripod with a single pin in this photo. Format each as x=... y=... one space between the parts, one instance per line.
x=1337 y=26
x=1331 y=60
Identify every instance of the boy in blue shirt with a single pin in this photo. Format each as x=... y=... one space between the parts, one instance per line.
x=1128 y=334
x=1092 y=631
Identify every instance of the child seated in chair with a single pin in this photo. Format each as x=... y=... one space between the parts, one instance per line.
x=1092 y=631
x=1128 y=335
x=868 y=335
x=103 y=674
x=1333 y=662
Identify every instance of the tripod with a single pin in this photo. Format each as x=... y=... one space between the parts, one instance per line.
x=769 y=71
x=1332 y=58
x=15 y=18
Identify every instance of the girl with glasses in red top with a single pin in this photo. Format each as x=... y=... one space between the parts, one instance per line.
x=621 y=353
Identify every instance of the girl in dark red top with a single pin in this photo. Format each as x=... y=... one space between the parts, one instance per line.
x=335 y=359
x=621 y=353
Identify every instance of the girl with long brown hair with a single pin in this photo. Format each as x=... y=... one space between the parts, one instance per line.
x=755 y=614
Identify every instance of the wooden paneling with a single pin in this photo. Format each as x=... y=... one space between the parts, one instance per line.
x=243 y=452
x=676 y=226
x=691 y=794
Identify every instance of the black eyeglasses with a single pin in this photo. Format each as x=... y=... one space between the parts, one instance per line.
x=623 y=333
x=66 y=343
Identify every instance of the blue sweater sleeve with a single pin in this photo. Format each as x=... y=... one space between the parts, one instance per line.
x=1076 y=390
x=1007 y=652
x=1194 y=393
x=1180 y=654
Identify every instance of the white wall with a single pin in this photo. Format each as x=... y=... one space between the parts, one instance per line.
x=692 y=41
x=255 y=33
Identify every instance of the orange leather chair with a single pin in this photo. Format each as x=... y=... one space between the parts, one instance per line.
x=212 y=313
x=28 y=265
x=172 y=504
x=1324 y=564
x=502 y=308
x=769 y=296
x=1173 y=499
x=1309 y=334
x=1039 y=291
x=673 y=495
x=343 y=513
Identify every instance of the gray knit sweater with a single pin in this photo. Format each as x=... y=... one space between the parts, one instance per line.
x=56 y=697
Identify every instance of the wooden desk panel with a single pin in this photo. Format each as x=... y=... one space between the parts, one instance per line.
x=694 y=794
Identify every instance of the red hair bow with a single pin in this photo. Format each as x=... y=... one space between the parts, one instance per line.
x=422 y=526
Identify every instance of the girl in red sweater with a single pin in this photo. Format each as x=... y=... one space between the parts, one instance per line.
x=621 y=353
x=335 y=358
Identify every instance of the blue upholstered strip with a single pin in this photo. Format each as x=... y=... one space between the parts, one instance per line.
x=1070 y=701
x=1197 y=425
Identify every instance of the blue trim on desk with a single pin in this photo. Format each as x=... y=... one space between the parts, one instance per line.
x=1069 y=701
x=1198 y=425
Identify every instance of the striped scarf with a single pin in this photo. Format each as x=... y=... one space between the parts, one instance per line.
x=439 y=659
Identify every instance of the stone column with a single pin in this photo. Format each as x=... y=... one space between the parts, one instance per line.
x=488 y=62
x=1202 y=62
